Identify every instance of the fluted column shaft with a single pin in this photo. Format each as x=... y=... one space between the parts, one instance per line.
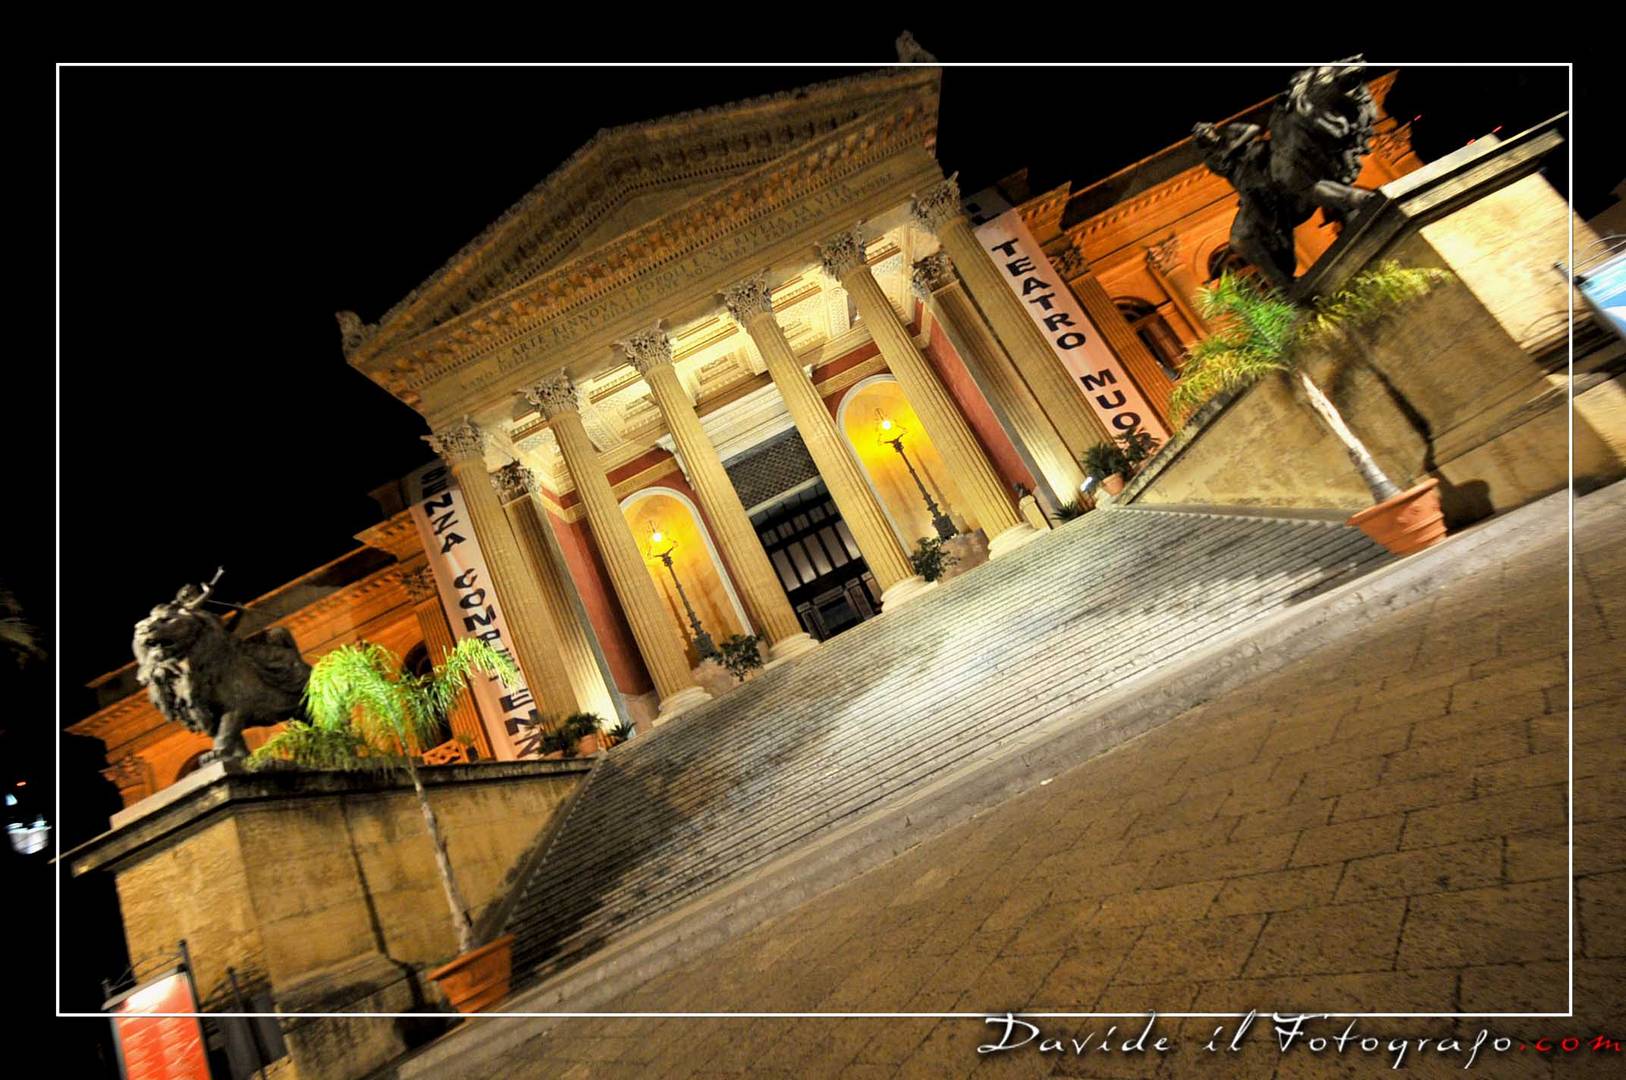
x=1053 y=386
x=753 y=573
x=515 y=487
x=464 y=718
x=1165 y=263
x=1137 y=360
x=974 y=477
x=463 y=448
x=651 y=626
x=748 y=302
x=936 y=284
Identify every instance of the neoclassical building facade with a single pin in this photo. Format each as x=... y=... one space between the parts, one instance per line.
x=721 y=373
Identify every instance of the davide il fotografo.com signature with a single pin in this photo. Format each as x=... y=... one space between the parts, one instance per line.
x=1308 y=1033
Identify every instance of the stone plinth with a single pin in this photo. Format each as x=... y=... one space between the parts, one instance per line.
x=321 y=886
x=1468 y=384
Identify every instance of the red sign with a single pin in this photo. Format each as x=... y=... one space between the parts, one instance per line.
x=160 y=1047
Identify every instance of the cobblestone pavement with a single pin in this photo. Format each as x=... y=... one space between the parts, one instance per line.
x=1380 y=827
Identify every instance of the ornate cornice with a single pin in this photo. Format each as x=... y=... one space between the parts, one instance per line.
x=843 y=253
x=459 y=441
x=513 y=481
x=554 y=396
x=938 y=205
x=410 y=354
x=130 y=771
x=932 y=273
x=647 y=349
x=419 y=584
x=353 y=333
x=749 y=299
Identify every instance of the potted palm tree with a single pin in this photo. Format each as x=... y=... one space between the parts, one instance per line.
x=1260 y=331
x=366 y=712
x=1106 y=462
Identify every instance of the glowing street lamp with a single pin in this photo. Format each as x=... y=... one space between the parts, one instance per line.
x=890 y=433
x=661 y=547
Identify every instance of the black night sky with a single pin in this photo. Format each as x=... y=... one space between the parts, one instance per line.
x=212 y=220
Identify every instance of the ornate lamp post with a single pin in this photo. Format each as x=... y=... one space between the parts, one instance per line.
x=889 y=433
x=661 y=547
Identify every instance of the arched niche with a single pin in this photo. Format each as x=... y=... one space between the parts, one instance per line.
x=695 y=560
x=859 y=416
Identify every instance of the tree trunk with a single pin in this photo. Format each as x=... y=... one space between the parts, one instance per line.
x=454 y=896
x=1381 y=486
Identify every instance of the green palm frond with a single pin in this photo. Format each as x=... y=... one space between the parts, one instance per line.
x=458 y=669
x=1259 y=331
x=1369 y=295
x=317 y=748
x=367 y=713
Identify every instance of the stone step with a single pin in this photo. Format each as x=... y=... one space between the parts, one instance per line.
x=883 y=708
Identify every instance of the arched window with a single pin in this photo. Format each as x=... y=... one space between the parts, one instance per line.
x=1156 y=334
x=1224 y=259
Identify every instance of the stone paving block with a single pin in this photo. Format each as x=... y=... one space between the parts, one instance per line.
x=1527 y=921
x=1539 y=986
x=1292 y=818
x=1347 y=840
x=1222 y=861
x=1176 y=903
x=1525 y=810
x=1281 y=890
x=1191 y=951
x=1370 y=991
x=1398 y=795
x=1600 y=911
x=1334 y=939
x=1425 y=870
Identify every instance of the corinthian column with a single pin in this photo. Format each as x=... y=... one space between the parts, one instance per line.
x=751 y=304
x=651 y=354
x=657 y=642
x=1125 y=344
x=1163 y=260
x=938 y=209
x=974 y=477
x=516 y=488
x=437 y=639
x=462 y=445
x=940 y=290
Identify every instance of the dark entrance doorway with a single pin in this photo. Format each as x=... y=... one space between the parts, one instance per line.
x=818 y=562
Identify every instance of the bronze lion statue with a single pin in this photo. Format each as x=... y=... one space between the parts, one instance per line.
x=201 y=676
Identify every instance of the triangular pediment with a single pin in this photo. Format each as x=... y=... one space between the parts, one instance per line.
x=628 y=176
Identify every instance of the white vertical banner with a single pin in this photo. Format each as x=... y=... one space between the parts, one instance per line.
x=468 y=597
x=1061 y=318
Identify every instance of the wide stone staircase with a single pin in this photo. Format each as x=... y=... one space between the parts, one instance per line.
x=899 y=700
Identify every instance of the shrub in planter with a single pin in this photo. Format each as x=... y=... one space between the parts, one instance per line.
x=741 y=654
x=1069 y=510
x=1106 y=460
x=929 y=558
x=367 y=713
x=1261 y=332
x=1138 y=446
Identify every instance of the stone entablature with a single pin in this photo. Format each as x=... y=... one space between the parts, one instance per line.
x=580 y=307
x=637 y=171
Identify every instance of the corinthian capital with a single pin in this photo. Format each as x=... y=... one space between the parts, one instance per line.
x=1164 y=256
x=513 y=481
x=554 y=396
x=843 y=253
x=938 y=205
x=647 y=349
x=459 y=441
x=419 y=583
x=932 y=273
x=749 y=299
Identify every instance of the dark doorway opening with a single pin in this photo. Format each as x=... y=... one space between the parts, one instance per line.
x=819 y=565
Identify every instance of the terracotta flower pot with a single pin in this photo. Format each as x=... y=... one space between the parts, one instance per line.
x=478 y=978
x=1113 y=484
x=588 y=745
x=1408 y=522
